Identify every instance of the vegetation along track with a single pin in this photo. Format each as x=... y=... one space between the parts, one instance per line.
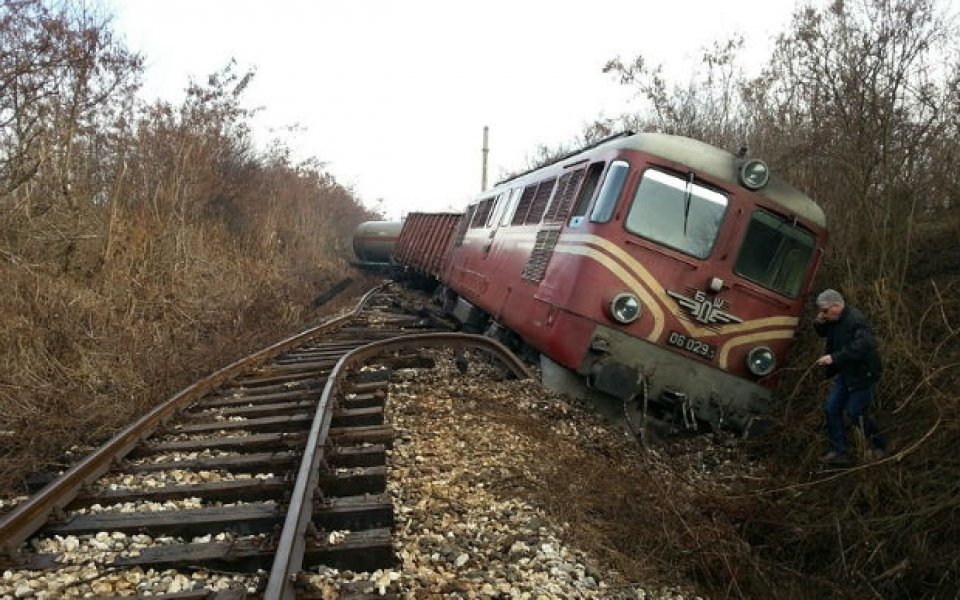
x=273 y=465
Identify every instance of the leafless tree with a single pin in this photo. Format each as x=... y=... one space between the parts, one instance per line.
x=708 y=107
x=858 y=105
x=59 y=66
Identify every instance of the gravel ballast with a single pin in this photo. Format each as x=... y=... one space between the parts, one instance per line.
x=473 y=457
x=500 y=490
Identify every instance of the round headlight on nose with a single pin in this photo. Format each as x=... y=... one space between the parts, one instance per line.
x=625 y=308
x=754 y=174
x=761 y=361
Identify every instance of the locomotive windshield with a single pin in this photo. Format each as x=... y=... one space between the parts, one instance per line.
x=677 y=213
x=775 y=254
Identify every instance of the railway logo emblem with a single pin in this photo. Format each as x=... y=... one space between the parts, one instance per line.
x=704 y=310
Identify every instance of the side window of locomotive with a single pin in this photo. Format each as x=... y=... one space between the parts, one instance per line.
x=677 y=213
x=498 y=206
x=523 y=207
x=482 y=213
x=775 y=254
x=563 y=197
x=610 y=192
x=540 y=201
x=586 y=193
x=462 y=226
x=511 y=206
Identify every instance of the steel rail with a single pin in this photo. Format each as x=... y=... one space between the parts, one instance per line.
x=32 y=514
x=281 y=583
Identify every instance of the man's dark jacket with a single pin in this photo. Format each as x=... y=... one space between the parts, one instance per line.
x=854 y=350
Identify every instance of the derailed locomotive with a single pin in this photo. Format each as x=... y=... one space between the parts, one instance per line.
x=657 y=267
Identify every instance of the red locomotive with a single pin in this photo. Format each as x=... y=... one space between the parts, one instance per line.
x=656 y=266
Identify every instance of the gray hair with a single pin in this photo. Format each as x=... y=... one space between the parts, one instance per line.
x=829 y=298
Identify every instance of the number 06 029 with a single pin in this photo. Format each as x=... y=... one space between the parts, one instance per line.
x=692 y=345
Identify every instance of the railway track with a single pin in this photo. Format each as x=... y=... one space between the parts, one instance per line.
x=235 y=486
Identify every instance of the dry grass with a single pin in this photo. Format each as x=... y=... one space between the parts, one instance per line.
x=82 y=355
x=107 y=309
x=141 y=245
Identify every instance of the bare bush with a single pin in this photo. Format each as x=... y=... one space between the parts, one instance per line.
x=60 y=70
x=859 y=107
x=141 y=245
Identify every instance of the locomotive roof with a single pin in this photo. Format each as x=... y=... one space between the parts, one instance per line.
x=717 y=163
x=720 y=164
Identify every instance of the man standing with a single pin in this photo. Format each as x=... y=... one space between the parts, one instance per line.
x=852 y=356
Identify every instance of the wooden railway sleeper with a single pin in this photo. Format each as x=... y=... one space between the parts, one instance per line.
x=29 y=516
x=291 y=549
x=309 y=504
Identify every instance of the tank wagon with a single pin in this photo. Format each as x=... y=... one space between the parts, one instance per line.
x=657 y=267
x=374 y=241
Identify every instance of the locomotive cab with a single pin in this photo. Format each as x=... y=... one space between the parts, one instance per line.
x=719 y=269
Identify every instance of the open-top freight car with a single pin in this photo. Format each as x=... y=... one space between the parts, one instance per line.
x=423 y=242
x=656 y=266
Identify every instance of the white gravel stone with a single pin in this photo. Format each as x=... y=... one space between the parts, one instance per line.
x=455 y=537
x=82 y=573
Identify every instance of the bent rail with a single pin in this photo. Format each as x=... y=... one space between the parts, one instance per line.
x=290 y=548
x=28 y=517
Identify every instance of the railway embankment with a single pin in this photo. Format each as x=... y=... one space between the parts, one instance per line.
x=503 y=490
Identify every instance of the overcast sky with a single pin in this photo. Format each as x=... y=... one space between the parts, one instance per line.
x=393 y=95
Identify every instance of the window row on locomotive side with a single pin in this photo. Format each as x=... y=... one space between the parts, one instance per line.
x=672 y=210
x=566 y=199
x=550 y=200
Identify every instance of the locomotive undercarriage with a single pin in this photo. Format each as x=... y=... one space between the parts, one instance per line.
x=653 y=389
x=671 y=392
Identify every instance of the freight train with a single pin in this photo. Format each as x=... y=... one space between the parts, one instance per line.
x=662 y=270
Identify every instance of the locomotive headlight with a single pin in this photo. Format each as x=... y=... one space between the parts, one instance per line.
x=754 y=174
x=761 y=361
x=625 y=308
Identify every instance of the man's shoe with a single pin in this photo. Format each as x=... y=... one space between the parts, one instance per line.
x=834 y=458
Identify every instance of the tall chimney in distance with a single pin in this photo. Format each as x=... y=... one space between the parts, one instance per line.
x=486 y=151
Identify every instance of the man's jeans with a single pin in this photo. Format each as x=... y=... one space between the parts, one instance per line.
x=857 y=404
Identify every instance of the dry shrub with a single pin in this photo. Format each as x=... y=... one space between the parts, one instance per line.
x=885 y=529
x=88 y=350
x=141 y=245
x=663 y=515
